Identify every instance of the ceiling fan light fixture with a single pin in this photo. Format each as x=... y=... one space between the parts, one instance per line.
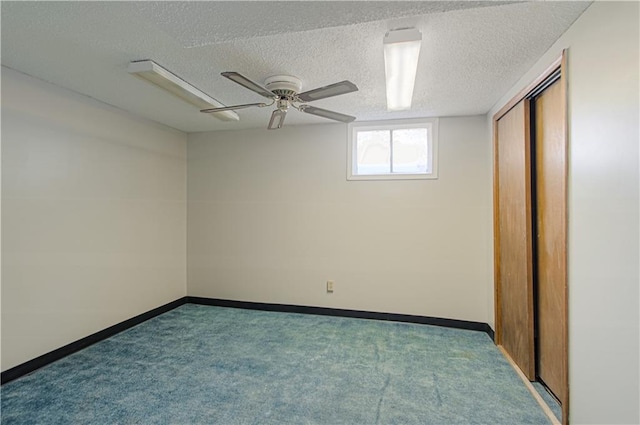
x=284 y=91
x=401 y=53
x=150 y=71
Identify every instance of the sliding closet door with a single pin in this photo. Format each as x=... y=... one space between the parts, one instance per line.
x=512 y=226
x=550 y=148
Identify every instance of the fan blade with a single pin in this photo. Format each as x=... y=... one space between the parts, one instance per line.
x=247 y=83
x=335 y=89
x=325 y=113
x=231 y=108
x=277 y=119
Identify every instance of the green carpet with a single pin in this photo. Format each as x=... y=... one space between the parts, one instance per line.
x=212 y=365
x=549 y=399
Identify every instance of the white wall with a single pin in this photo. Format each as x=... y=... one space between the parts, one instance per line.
x=603 y=102
x=271 y=218
x=93 y=217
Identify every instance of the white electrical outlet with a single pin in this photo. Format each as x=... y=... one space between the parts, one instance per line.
x=330 y=286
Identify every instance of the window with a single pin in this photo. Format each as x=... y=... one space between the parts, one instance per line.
x=388 y=150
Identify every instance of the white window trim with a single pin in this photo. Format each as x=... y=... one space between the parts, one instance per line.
x=432 y=130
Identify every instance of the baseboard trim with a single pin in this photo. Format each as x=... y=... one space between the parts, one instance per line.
x=57 y=354
x=359 y=314
x=50 y=357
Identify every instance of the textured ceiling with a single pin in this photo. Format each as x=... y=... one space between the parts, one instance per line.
x=191 y=23
x=472 y=51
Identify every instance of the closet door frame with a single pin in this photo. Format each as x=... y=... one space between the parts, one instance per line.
x=559 y=64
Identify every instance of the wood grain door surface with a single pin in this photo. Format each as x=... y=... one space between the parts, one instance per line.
x=550 y=151
x=513 y=238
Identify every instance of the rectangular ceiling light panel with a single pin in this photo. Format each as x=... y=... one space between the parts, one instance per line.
x=155 y=74
x=401 y=53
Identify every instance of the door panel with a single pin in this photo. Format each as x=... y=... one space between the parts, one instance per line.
x=513 y=238
x=551 y=237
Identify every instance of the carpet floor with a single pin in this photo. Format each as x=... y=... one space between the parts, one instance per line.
x=212 y=365
x=549 y=399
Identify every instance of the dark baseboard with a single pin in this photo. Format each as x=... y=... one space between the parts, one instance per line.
x=359 y=314
x=32 y=365
x=50 y=357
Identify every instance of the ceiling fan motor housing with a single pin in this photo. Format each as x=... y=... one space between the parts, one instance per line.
x=285 y=86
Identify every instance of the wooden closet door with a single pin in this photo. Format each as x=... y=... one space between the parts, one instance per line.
x=512 y=186
x=550 y=148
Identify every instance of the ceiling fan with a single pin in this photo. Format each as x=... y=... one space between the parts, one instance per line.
x=284 y=92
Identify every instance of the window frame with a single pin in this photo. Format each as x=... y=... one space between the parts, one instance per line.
x=431 y=124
